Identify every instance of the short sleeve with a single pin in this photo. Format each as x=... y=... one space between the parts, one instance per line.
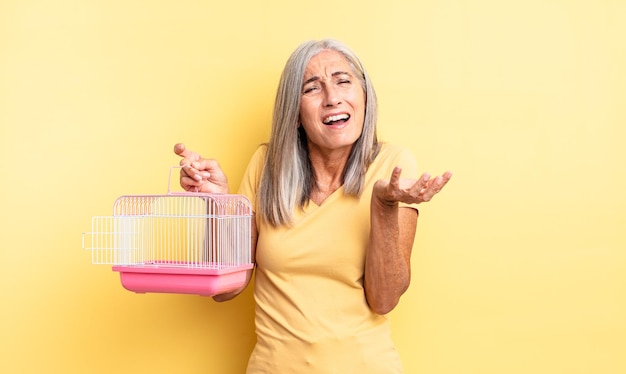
x=252 y=177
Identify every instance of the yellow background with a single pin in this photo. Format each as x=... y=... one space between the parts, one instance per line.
x=519 y=265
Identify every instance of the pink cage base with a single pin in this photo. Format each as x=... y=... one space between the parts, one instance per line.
x=194 y=281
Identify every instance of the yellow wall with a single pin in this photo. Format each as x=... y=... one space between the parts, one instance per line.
x=519 y=267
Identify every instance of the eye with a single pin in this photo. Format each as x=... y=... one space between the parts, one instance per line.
x=309 y=89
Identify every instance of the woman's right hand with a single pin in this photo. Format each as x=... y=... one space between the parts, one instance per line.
x=200 y=174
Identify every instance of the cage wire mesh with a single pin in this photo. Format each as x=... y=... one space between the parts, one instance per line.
x=200 y=231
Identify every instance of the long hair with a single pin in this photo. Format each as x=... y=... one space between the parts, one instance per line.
x=287 y=178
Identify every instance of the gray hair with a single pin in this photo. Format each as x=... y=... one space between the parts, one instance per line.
x=288 y=178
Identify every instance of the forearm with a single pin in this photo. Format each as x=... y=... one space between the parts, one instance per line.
x=387 y=262
x=232 y=294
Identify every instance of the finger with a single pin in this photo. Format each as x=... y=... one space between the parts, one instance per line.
x=204 y=175
x=187 y=155
x=443 y=180
x=189 y=184
x=419 y=186
x=394 y=181
x=435 y=187
x=422 y=183
x=205 y=164
x=416 y=184
x=181 y=150
x=189 y=172
x=437 y=184
x=445 y=177
x=431 y=190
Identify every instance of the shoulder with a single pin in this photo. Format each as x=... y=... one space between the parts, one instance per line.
x=257 y=161
x=260 y=153
x=394 y=154
x=252 y=176
x=389 y=156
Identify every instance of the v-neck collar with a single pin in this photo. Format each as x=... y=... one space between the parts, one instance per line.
x=330 y=197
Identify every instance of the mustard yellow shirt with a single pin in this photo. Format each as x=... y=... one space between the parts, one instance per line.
x=311 y=312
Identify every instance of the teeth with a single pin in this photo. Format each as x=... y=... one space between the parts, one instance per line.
x=335 y=118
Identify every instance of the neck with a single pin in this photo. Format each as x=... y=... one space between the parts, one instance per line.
x=328 y=167
x=328 y=177
x=328 y=171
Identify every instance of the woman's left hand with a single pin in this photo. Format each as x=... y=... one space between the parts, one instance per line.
x=409 y=191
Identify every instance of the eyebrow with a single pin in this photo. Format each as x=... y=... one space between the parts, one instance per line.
x=316 y=78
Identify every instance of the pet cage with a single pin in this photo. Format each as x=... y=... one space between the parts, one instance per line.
x=183 y=242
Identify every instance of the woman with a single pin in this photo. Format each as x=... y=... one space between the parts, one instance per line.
x=334 y=221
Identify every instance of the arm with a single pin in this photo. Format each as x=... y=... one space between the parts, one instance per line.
x=388 y=257
x=205 y=175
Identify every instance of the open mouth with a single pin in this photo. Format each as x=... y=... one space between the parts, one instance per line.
x=336 y=119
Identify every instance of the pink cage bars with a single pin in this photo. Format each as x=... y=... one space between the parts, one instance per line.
x=187 y=243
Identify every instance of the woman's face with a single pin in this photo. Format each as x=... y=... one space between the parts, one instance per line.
x=332 y=109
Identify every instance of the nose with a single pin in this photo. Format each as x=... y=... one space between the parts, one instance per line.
x=331 y=96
